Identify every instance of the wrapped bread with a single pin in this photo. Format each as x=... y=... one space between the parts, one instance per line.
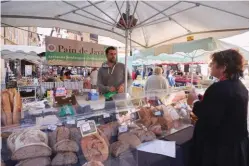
x=12 y=93
x=29 y=144
x=130 y=139
x=95 y=148
x=118 y=147
x=6 y=107
x=66 y=158
x=43 y=161
x=93 y=163
x=17 y=108
x=66 y=146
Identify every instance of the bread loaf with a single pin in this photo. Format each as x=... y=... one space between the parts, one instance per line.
x=110 y=129
x=66 y=146
x=11 y=140
x=94 y=147
x=28 y=144
x=62 y=133
x=6 y=106
x=32 y=151
x=41 y=161
x=130 y=139
x=93 y=163
x=12 y=93
x=156 y=129
x=143 y=135
x=17 y=108
x=75 y=134
x=66 y=158
x=52 y=138
x=3 y=118
x=118 y=147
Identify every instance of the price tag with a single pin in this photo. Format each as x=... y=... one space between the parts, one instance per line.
x=88 y=128
x=28 y=90
x=70 y=120
x=80 y=122
x=123 y=128
x=85 y=127
x=157 y=113
x=106 y=115
x=52 y=127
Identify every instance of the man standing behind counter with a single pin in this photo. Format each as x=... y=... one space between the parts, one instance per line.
x=111 y=76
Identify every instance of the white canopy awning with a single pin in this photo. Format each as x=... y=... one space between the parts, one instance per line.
x=22 y=52
x=159 y=22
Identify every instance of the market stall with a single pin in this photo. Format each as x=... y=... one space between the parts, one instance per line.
x=71 y=126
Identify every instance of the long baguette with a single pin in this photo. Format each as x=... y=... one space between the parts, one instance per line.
x=7 y=107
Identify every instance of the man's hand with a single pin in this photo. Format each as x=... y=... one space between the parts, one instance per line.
x=121 y=88
x=112 y=89
x=192 y=96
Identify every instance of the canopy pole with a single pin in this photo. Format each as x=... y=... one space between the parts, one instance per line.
x=126 y=45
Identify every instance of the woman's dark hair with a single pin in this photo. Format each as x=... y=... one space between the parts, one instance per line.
x=109 y=48
x=232 y=60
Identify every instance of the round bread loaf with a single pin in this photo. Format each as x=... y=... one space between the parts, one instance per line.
x=118 y=147
x=130 y=139
x=93 y=163
x=43 y=161
x=66 y=158
x=66 y=145
x=94 y=148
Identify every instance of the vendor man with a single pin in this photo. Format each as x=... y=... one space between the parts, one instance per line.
x=111 y=76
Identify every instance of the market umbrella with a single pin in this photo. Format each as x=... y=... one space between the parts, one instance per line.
x=146 y=23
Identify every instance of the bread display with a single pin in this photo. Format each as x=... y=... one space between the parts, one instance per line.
x=94 y=147
x=130 y=139
x=66 y=145
x=118 y=147
x=93 y=163
x=43 y=161
x=65 y=158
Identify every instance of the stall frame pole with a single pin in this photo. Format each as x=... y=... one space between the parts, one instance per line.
x=126 y=45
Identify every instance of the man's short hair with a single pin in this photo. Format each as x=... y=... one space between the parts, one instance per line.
x=109 y=48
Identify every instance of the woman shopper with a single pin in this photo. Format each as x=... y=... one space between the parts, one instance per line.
x=156 y=81
x=221 y=136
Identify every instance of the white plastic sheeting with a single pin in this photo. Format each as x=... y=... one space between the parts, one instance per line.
x=159 y=22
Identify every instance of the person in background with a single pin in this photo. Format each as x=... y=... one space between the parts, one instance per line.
x=150 y=72
x=171 y=78
x=111 y=75
x=133 y=75
x=62 y=72
x=156 y=81
x=221 y=135
x=94 y=77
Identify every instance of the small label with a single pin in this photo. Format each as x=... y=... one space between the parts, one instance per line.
x=123 y=128
x=70 y=120
x=88 y=128
x=80 y=122
x=52 y=127
x=28 y=90
x=106 y=115
x=158 y=113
